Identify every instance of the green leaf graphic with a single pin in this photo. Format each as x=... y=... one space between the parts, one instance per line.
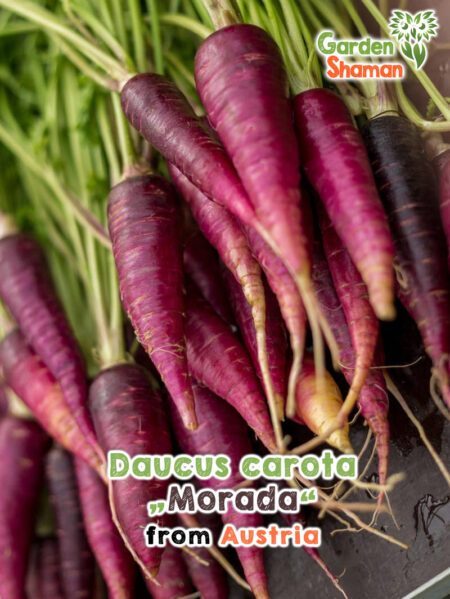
x=407 y=50
x=420 y=54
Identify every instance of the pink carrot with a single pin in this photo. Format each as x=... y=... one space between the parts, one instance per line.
x=23 y=445
x=439 y=153
x=114 y=560
x=160 y=112
x=352 y=293
x=336 y=163
x=275 y=335
x=48 y=570
x=202 y=264
x=224 y=233
x=75 y=556
x=218 y=360
x=373 y=399
x=3 y=400
x=221 y=430
x=144 y=229
x=209 y=580
x=290 y=302
x=173 y=577
x=128 y=416
x=28 y=293
x=33 y=383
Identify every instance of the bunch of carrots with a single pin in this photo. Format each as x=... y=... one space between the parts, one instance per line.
x=193 y=237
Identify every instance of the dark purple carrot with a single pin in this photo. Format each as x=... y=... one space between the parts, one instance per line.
x=275 y=335
x=353 y=297
x=75 y=556
x=3 y=399
x=221 y=430
x=113 y=558
x=209 y=580
x=33 y=383
x=162 y=114
x=202 y=264
x=173 y=577
x=373 y=398
x=48 y=570
x=218 y=360
x=144 y=228
x=23 y=445
x=290 y=302
x=224 y=233
x=128 y=416
x=28 y=293
x=335 y=161
x=407 y=186
x=439 y=153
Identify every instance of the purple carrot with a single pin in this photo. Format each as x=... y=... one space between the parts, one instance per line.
x=218 y=360
x=3 y=399
x=275 y=335
x=23 y=445
x=209 y=580
x=162 y=114
x=33 y=383
x=202 y=264
x=373 y=398
x=221 y=430
x=128 y=416
x=290 y=302
x=144 y=228
x=439 y=154
x=173 y=577
x=28 y=293
x=113 y=558
x=336 y=163
x=75 y=556
x=352 y=293
x=48 y=570
x=224 y=233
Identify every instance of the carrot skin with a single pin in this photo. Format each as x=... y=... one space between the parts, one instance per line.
x=23 y=445
x=162 y=114
x=202 y=264
x=407 y=186
x=242 y=83
x=335 y=161
x=173 y=577
x=128 y=415
x=218 y=361
x=442 y=166
x=76 y=559
x=275 y=335
x=48 y=570
x=144 y=229
x=113 y=558
x=28 y=292
x=221 y=430
x=33 y=383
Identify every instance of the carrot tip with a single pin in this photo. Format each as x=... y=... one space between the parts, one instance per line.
x=191 y=425
x=385 y=311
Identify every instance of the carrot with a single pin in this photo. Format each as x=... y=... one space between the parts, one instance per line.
x=210 y=581
x=243 y=86
x=144 y=229
x=360 y=317
x=173 y=577
x=218 y=361
x=317 y=408
x=439 y=154
x=75 y=556
x=223 y=232
x=275 y=336
x=407 y=186
x=28 y=293
x=221 y=430
x=128 y=416
x=163 y=116
x=290 y=303
x=335 y=161
x=3 y=400
x=33 y=383
x=114 y=560
x=48 y=570
x=202 y=264
x=23 y=445
x=373 y=398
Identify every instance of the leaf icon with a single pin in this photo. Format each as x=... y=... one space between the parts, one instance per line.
x=420 y=54
x=407 y=50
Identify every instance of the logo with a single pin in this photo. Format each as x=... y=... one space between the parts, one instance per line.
x=413 y=32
